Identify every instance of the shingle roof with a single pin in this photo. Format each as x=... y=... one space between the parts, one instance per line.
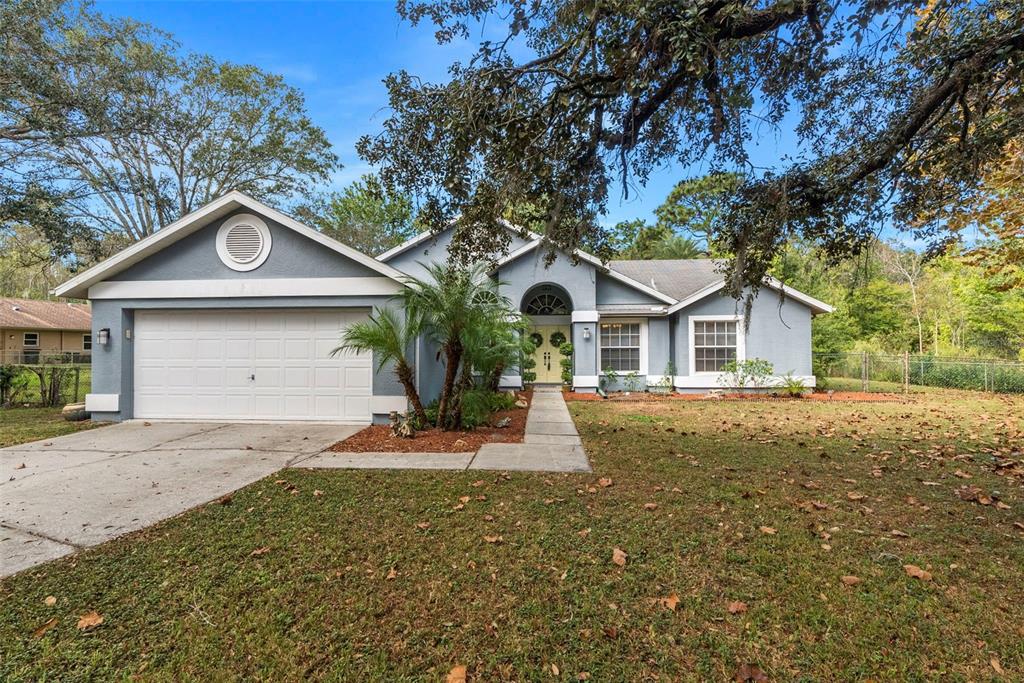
x=679 y=278
x=31 y=314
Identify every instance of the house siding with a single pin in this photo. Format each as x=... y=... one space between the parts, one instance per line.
x=779 y=331
x=435 y=250
x=291 y=255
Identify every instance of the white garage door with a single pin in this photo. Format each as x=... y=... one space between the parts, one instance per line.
x=249 y=365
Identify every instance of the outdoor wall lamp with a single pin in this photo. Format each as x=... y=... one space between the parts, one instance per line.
x=104 y=336
x=586 y=333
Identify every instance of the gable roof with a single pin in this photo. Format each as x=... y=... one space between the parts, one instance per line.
x=677 y=282
x=679 y=278
x=32 y=314
x=78 y=286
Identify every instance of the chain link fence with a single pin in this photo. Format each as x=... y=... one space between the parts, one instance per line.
x=43 y=385
x=910 y=372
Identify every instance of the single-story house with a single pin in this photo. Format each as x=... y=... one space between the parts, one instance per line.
x=33 y=331
x=231 y=313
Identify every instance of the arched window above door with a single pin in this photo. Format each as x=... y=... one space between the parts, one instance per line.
x=546 y=300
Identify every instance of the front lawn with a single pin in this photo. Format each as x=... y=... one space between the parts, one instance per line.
x=738 y=521
x=21 y=425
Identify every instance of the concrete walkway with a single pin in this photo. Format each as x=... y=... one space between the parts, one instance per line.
x=551 y=444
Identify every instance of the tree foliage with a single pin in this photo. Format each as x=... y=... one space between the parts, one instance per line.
x=366 y=216
x=612 y=90
x=106 y=117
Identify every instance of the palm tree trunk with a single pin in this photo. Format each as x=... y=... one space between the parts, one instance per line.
x=494 y=383
x=406 y=377
x=452 y=354
x=465 y=383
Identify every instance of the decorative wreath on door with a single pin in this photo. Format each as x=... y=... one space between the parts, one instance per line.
x=537 y=338
x=557 y=339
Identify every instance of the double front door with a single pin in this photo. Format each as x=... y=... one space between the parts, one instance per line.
x=548 y=338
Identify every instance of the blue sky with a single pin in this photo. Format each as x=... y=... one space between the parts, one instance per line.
x=337 y=53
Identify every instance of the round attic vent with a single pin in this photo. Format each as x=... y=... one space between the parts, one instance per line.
x=243 y=242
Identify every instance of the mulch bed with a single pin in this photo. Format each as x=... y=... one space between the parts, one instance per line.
x=378 y=439
x=641 y=397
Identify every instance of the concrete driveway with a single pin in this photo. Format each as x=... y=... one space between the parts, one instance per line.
x=71 y=492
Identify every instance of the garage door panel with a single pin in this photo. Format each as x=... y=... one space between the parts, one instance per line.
x=249 y=364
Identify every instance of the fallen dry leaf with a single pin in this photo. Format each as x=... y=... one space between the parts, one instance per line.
x=20 y=467
x=89 y=620
x=554 y=670
x=583 y=533
x=392 y=574
x=650 y=506
x=463 y=499
x=768 y=530
x=41 y=631
x=619 y=557
x=260 y=551
x=670 y=603
x=737 y=607
x=853 y=495
x=850 y=580
x=750 y=672
x=457 y=674
x=50 y=601
x=916 y=572
x=423 y=525
x=604 y=482
x=493 y=539
x=317 y=493
x=899 y=534
x=996 y=666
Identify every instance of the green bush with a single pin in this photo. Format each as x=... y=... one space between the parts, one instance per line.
x=476 y=408
x=753 y=373
x=501 y=400
x=793 y=386
x=566 y=350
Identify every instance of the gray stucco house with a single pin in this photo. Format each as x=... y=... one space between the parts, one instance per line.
x=231 y=312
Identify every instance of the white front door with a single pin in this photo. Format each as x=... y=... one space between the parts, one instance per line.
x=249 y=365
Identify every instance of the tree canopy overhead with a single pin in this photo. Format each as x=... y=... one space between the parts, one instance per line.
x=884 y=93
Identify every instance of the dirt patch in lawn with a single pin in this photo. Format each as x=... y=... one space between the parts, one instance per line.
x=378 y=438
x=858 y=396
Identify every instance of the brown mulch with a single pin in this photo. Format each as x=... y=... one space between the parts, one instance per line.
x=378 y=439
x=641 y=397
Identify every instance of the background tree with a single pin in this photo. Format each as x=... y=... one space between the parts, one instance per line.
x=129 y=136
x=615 y=89
x=366 y=216
x=697 y=207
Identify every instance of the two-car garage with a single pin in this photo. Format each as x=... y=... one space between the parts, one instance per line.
x=249 y=364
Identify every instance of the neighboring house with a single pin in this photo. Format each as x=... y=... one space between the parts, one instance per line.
x=33 y=331
x=231 y=313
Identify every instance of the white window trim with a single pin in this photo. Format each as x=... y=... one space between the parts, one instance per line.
x=89 y=335
x=643 y=342
x=222 y=234
x=24 y=340
x=741 y=340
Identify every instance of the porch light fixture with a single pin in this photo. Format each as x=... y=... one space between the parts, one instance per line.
x=586 y=333
x=104 y=336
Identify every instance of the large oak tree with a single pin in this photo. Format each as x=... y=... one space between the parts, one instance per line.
x=882 y=91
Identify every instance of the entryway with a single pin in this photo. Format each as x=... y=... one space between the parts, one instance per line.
x=547 y=339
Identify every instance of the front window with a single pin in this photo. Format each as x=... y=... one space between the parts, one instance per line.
x=620 y=347
x=87 y=342
x=31 y=339
x=714 y=344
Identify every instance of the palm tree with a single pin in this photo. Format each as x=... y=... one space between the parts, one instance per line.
x=451 y=301
x=389 y=335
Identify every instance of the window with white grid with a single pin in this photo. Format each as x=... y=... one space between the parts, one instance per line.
x=620 y=347
x=714 y=344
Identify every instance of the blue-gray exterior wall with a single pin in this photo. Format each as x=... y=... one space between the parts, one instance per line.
x=529 y=270
x=779 y=330
x=291 y=256
x=435 y=250
x=611 y=291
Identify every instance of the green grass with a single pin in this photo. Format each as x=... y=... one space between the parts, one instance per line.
x=187 y=600
x=30 y=394
x=21 y=425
